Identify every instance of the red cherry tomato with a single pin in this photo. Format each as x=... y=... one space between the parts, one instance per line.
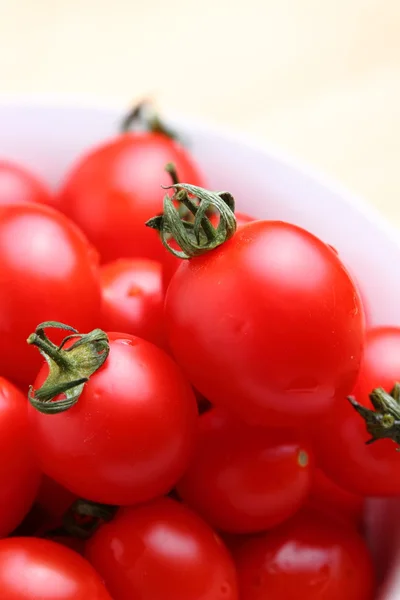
x=368 y=470
x=19 y=471
x=133 y=298
x=268 y=325
x=130 y=436
x=17 y=185
x=53 y=498
x=244 y=479
x=308 y=557
x=33 y=569
x=328 y=497
x=48 y=271
x=162 y=550
x=171 y=262
x=114 y=189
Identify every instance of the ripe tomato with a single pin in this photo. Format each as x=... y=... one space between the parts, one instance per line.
x=244 y=479
x=328 y=497
x=171 y=262
x=130 y=435
x=47 y=271
x=268 y=325
x=115 y=188
x=19 y=471
x=308 y=557
x=369 y=470
x=162 y=550
x=133 y=298
x=33 y=569
x=17 y=185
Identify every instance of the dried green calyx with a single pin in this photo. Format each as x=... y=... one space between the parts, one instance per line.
x=197 y=236
x=70 y=365
x=384 y=421
x=144 y=117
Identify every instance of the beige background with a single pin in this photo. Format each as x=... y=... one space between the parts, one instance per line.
x=318 y=78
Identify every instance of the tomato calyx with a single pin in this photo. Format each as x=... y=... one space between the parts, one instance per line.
x=143 y=117
x=200 y=235
x=84 y=517
x=384 y=421
x=70 y=366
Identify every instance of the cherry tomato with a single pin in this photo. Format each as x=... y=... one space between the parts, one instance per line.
x=368 y=470
x=115 y=188
x=328 y=497
x=17 y=185
x=268 y=325
x=171 y=262
x=308 y=557
x=19 y=471
x=133 y=298
x=130 y=435
x=244 y=479
x=48 y=271
x=53 y=498
x=33 y=569
x=162 y=550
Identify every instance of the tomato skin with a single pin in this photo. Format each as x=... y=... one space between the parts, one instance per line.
x=48 y=271
x=131 y=434
x=18 y=185
x=162 y=550
x=308 y=557
x=133 y=298
x=33 y=568
x=245 y=479
x=115 y=188
x=19 y=471
x=331 y=499
x=268 y=325
x=340 y=441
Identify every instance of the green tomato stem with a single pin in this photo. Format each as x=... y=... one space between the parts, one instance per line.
x=69 y=367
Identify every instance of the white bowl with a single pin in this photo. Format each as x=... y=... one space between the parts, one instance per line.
x=48 y=135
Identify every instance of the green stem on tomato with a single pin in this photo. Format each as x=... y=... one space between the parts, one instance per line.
x=84 y=517
x=384 y=421
x=200 y=236
x=144 y=117
x=69 y=367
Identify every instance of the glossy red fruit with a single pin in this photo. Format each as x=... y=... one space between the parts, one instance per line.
x=268 y=325
x=162 y=550
x=368 y=470
x=33 y=569
x=308 y=557
x=19 y=471
x=133 y=298
x=115 y=188
x=130 y=435
x=246 y=479
x=18 y=185
x=48 y=271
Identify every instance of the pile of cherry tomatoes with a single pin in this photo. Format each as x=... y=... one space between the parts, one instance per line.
x=174 y=422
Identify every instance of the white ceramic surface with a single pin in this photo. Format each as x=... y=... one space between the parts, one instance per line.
x=47 y=135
